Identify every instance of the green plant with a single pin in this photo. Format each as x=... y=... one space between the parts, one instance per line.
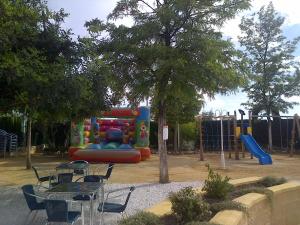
x=200 y=223
x=215 y=186
x=219 y=206
x=141 y=218
x=270 y=181
x=187 y=205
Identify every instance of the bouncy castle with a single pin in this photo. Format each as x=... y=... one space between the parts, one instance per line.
x=120 y=135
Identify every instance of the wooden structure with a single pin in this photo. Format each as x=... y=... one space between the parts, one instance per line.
x=296 y=128
x=228 y=118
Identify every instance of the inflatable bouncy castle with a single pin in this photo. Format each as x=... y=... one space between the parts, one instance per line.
x=119 y=136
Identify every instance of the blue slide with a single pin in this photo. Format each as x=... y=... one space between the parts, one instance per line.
x=251 y=145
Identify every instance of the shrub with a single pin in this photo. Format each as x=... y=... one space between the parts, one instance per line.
x=141 y=218
x=187 y=206
x=253 y=189
x=230 y=205
x=200 y=223
x=215 y=186
x=270 y=181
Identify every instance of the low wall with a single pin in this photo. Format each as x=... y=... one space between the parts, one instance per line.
x=282 y=209
x=164 y=207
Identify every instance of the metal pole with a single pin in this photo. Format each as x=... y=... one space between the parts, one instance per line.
x=222 y=147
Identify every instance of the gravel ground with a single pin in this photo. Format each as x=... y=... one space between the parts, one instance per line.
x=13 y=208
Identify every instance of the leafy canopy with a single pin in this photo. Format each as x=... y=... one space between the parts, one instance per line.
x=271 y=62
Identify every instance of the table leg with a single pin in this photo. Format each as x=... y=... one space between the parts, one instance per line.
x=91 y=210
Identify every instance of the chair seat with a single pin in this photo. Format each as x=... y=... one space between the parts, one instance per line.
x=46 y=178
x=39 y=206
x=73 y=216
x=83 y=197
x=111 y=207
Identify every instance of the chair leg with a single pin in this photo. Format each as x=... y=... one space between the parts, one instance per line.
x=34 y=216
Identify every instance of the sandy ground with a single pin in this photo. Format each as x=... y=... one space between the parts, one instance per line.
x=181 y=168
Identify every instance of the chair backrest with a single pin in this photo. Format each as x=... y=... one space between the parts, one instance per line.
x=57 y=210
x=109 y=170
x=80 y=161
x=92 y=178
x=30 y=197
x=36 y=173
x=65 y=178
x=131 y=189
x=79 y=171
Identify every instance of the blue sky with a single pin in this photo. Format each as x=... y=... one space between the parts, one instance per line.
x=83 y=10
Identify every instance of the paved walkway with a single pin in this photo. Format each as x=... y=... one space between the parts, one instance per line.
x=13 y=208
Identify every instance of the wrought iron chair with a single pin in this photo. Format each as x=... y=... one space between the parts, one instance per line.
x=88 y=178
x=79 y=171
x=32 y=202
x=63 y=178
x=42 y=179
x=57 y=212
x=111 y=207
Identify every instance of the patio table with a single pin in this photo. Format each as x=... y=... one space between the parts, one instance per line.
x=75 y=188
x=74 y=166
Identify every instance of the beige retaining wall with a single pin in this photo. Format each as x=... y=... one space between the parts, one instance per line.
x=282 y=209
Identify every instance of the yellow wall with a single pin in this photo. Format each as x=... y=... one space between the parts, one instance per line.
x=282 y=209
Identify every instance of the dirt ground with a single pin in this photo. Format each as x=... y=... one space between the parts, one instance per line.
x=181 y=168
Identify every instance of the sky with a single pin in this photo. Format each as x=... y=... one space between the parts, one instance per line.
x=84 y=10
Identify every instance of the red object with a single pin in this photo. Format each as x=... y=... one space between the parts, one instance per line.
x=121 y=113
x=114 y=156
x=72 y=150
x=145 y=153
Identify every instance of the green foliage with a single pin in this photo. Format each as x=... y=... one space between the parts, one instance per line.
x=270 y=181
x=230 y=205
x=188 y=206
x=271 y=60
x=215 y=186
x=200 y=223
x=188 y=131
x=141 y=218
x=170 y=54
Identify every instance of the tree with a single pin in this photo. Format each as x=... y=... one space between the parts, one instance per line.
x=172 y=45
x=271 y=62
x=44 y=74
x=182 y=108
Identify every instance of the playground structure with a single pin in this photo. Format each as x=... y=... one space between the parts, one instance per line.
x=119 y=136
x=234 y=136
x=8 y=142
x=226 y=132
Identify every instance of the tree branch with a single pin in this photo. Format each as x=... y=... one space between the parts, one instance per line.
x=147 y=5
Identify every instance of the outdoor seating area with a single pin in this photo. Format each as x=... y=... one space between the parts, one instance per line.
x=69 y=186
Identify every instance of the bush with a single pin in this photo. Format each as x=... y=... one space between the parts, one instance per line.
x=188 y=206
x=215 y=186
x=230 y=205
x=200 y=223
x=141 y=218
x=270 y=181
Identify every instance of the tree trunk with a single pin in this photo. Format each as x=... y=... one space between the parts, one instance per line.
x=163 y=161
x=28 y=154
x=270 y=148
x=176 y=137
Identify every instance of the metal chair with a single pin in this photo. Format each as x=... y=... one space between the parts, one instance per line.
x=79 y=171
x=108 y=172
x=44 y=178
x=32 y=203
x=63 y=178
x=88 y=178
x=111 y=207
x=57 y=212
